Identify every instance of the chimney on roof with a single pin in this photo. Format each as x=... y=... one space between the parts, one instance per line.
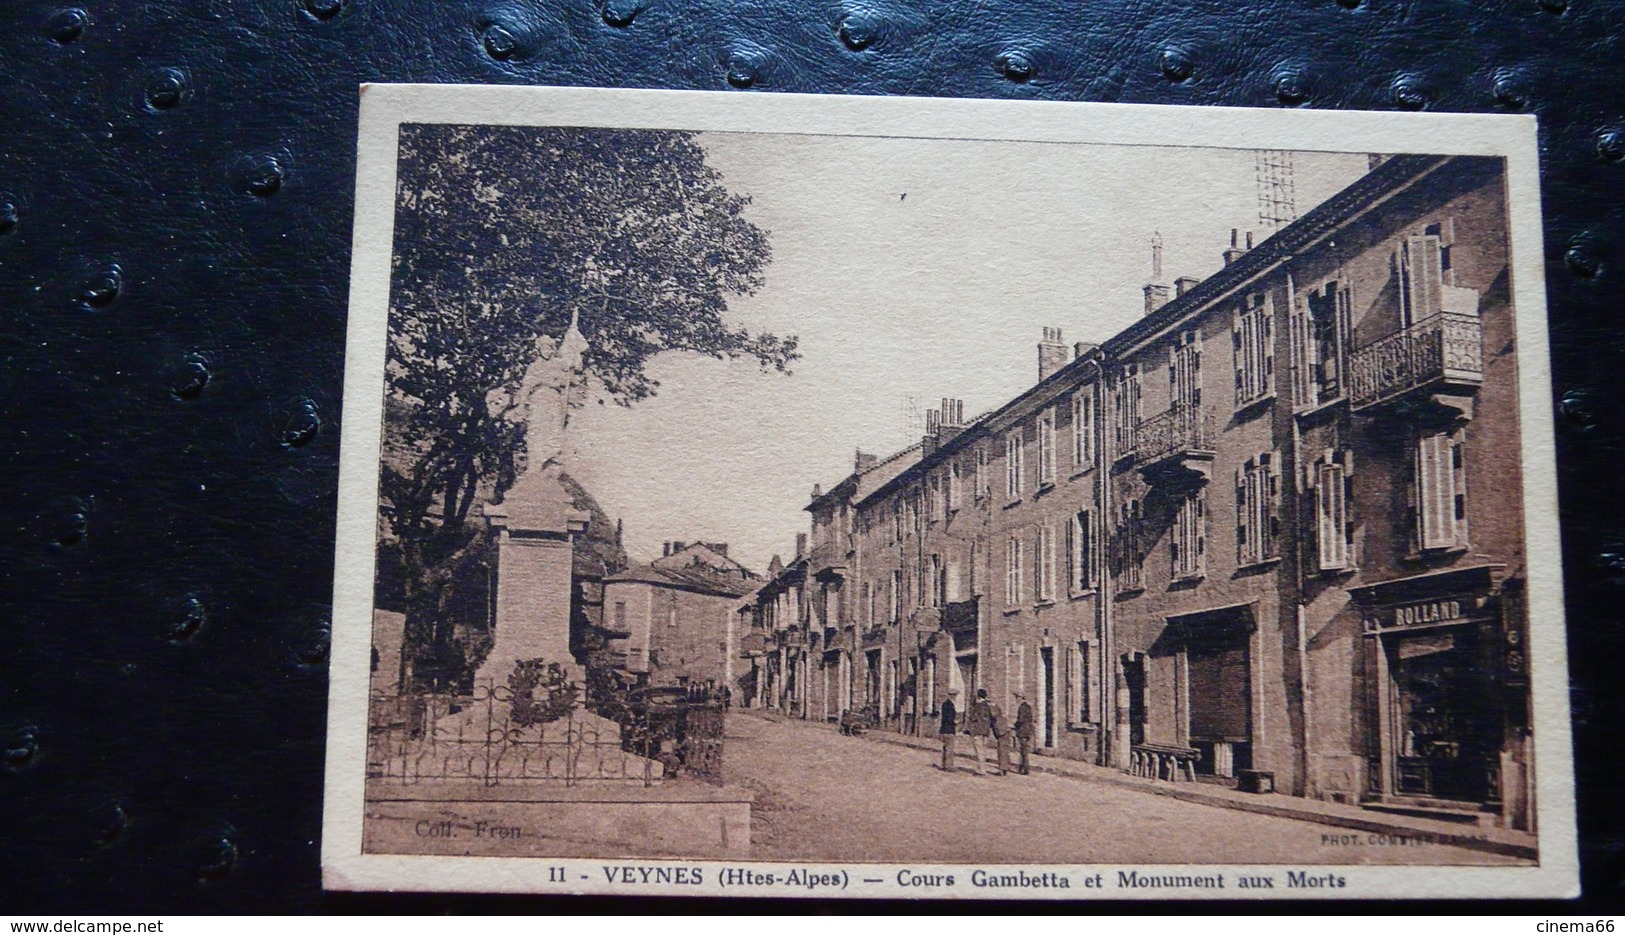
x=863 y=461
x=951 y=421
x=933 y=427
x=1185 y=284
x=1051 y=354
x=665 y=549
x=1081 y=348
x=721 y=548
x=801 y=544
x=1235 y=252
x=818 y=491
x=1156 y=291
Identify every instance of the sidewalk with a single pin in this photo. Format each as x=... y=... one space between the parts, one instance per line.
x=1501 y=841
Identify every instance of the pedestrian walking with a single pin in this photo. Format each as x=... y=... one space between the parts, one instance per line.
x=1001 y=736
x=1024 y=734
x=979 y=726
x=950 y=724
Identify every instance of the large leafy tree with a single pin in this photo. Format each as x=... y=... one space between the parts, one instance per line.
x=502 y=234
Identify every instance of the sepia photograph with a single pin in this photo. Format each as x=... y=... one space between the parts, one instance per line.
x=824 y=497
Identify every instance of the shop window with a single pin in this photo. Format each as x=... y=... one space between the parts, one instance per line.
x=1258 y=524
x=1253 y=339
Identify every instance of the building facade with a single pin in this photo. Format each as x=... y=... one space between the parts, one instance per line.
x=1274 y=525
x=671 y=621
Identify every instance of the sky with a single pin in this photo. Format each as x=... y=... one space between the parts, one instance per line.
x=906 y=267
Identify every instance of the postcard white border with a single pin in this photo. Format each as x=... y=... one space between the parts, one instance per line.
x=385 y=107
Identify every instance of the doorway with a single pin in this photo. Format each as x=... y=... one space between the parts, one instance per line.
x=1046 y=696
x=1134 y=681
x=1445 y=738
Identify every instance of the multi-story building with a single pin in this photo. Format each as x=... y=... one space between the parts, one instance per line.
x=1276 y=521
x=672 y=619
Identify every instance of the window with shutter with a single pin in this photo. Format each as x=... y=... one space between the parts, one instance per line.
x=1258 y=523
x=1441 y=497
x=1130 y=555
x=1253 y=341
x=1043 y=565
x=1083 y=431
x=1078 y=683
x=1012 y=464
x=1080 y=553
x=1421 y=279
x=1012 y=571
x=1334 y=527
x=1046 y=448
x=1188 y=546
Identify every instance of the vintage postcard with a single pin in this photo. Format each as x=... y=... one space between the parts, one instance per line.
x=785 y=495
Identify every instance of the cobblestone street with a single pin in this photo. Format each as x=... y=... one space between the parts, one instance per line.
x=823 y=796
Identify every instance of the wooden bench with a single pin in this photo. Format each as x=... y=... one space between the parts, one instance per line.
x=1163 y=761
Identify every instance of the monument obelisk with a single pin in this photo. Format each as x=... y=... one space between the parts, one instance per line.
x=536 y=523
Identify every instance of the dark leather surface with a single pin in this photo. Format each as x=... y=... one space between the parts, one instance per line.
x=173 y=275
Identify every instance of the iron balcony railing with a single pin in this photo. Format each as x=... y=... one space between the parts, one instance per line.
x=1180 y=431
x=1447 y=347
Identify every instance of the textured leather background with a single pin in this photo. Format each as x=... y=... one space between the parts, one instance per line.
x=176 y=185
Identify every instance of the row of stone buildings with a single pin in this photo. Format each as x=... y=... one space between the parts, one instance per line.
x=1276 y=521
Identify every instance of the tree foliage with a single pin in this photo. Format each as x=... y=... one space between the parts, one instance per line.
x=501 y=235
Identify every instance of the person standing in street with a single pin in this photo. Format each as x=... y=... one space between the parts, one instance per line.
x=979 y=725
x=950 y=718
x=1000 y=726
x=1024 y=734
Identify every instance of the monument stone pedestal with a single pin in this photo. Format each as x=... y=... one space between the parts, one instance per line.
x=535 y=525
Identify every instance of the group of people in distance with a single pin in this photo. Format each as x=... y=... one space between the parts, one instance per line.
x=985 y=723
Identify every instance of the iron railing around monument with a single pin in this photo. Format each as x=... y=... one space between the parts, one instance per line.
x=431 y=737
x=485 y=738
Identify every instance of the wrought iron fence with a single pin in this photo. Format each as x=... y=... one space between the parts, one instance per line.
x=441 y=737
x=1444 y=346
x=495 y=738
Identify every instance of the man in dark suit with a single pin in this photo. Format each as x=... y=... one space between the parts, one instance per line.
x=1024 y=733
x=947 y=728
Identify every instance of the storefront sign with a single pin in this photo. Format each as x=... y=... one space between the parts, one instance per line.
x=1410 y=615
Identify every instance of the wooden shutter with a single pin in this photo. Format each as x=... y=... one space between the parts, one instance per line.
x=1071 y=548
x=1266 y=325
x=1270 y=476
x=1435 y=493
x=1237 y=345
x=1423 y=277
x=1242 y=543
x=1331 y=516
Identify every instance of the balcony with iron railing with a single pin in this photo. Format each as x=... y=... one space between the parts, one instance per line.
x=828 y=554
x=1174 y=445
x=1440 y=352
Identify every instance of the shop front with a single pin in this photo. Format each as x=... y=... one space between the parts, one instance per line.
x=1447 y=694
x=1203 y=665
